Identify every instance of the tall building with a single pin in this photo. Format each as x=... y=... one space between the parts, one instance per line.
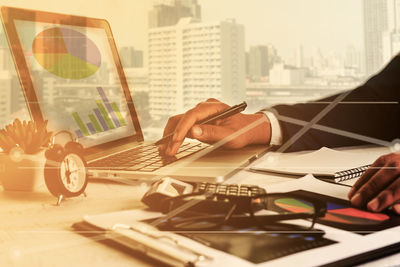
x=391 y=45
x=137 y=79
x=300 y=61
x=391 y=37
x=130 y=57
x=317 y=61
x=193 y=61
x=393 y=14
x=282 y=74
x=6 y=62
x=259 y=61
x=375 y=24
x=169 y=12
x=352 y=57
x=5 y=97
x=12 y=101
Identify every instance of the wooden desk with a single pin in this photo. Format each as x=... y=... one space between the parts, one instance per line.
x=36 y=232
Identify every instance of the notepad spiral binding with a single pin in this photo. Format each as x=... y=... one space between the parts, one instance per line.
x=350 y=174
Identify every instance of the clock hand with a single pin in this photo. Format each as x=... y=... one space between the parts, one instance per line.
x=67 y=172
x=66 y=161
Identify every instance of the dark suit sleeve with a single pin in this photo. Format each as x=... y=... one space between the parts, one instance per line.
x=377 y=119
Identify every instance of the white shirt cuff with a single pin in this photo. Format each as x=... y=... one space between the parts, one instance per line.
x=276 y=132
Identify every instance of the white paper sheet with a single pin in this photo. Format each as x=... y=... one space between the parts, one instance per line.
x=323 y=162
x=349 y=243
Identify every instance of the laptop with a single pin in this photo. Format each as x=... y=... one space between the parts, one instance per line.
x=72 y=76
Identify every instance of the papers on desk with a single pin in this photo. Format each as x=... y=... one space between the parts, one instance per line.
x=326 y=163
x=341 y=246
x=126 y=228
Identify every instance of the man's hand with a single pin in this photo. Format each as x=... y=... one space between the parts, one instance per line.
x=379 y=187
x=184 y=125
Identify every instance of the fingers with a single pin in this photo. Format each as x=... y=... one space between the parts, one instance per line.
x=386 y=198
x=201 y=111
x=171 y=124
x=375 y=183
x=396 y=208
x=186 y=122
x=169 y=128
x=212 y=133
x=379 y=186
x=375 y=167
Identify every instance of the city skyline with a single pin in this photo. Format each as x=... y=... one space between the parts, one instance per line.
x=286 y=24
x=327 y=25
x=308 y=62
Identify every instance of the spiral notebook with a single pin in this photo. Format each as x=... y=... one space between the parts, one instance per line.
x=349 y=174
x=328 y=164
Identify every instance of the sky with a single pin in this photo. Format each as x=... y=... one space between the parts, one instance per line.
x=328 y=24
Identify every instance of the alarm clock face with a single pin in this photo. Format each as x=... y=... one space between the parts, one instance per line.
x=73 y=173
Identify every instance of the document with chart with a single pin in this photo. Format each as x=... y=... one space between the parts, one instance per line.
x=344 y=235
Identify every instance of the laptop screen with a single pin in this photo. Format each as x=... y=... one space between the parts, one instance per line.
x=76 y=80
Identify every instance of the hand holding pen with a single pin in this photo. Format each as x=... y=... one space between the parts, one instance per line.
x=211 y=119
x=210 y=122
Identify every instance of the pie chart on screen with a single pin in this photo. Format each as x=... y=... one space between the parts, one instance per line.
x=66 y=53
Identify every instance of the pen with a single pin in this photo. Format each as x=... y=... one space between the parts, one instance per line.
x=218 y=116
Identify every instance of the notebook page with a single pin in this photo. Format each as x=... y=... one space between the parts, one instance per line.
x=322 y=162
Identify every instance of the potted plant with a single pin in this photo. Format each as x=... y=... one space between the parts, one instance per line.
x=22 y=159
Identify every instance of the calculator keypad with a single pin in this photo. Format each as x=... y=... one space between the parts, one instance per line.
x=231 y=189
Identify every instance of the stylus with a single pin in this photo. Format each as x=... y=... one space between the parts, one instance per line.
x=218 y=116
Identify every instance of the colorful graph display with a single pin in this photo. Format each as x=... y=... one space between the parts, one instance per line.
x=106 y=116
x=335 y=213
x=66 y=53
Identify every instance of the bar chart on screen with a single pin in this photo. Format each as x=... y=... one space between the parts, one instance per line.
x=106 y=116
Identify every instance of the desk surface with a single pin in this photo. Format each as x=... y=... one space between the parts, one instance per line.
x=36 y=232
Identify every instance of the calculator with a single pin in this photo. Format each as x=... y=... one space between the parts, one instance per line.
x=230 y=190
x=166 y=188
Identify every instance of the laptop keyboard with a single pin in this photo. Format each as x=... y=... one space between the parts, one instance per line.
x=144 y=158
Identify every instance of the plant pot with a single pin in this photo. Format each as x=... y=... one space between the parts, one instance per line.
x=24 y=174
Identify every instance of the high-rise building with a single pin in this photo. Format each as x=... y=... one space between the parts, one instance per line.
x=193 y=61
x=375 y=24
x=393 y=14
x=6 y=62
x=259 y=61
x=12 y=101
x=317 y=61
x=192 y=5
x=300 y=61
x=5 y=97
x=4 y=54
x=391 y=44
x=169 y=12
x=137 y=79
x=352 y=57
x=130 y=57
x=391 y=37
x=282 y=74
x=18 y=103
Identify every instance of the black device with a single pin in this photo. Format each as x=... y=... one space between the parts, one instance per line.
x=65 y=171
x=158 y=196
